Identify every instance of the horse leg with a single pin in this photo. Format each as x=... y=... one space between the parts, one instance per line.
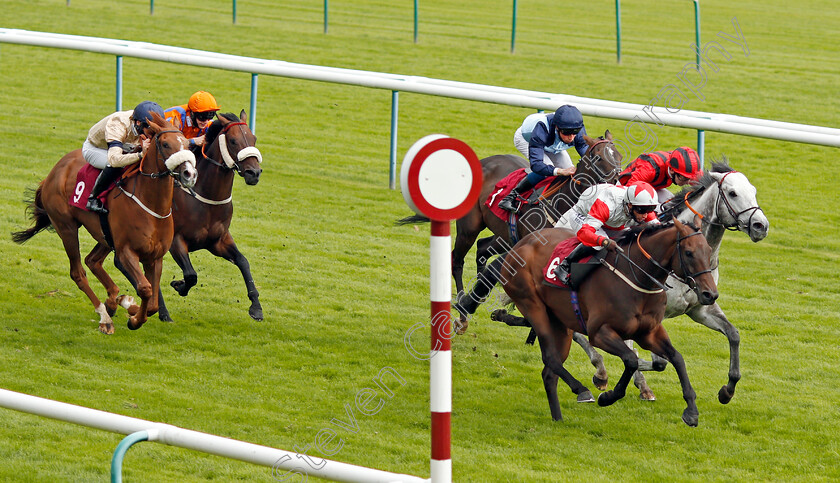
x=70 y=239
x=464 y=240
x=226 y=248
x=127 y=301
x=467 y=303
x=645 y=392
x=180 y=253
x=657 y=341
x=597 y=360
x=608 y=339
x=153 y=271
x=94 y=261
x=131 y=263
x=713 y=317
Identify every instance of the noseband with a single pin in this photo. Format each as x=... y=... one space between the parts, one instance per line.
x=735 y=215
x=229 y=162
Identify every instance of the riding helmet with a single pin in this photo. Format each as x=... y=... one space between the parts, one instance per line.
x=144 y=110
x=202 y=101
x=685 y=161
x=640 y=194
x=568 y=117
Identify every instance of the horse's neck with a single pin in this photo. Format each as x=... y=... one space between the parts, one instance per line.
x=214 y=181
x=154 y=192
x=706 y=205
x=660 y=246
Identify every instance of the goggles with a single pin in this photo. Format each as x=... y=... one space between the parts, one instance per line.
x=568 y=132
x=643 y=209
x=205 y=116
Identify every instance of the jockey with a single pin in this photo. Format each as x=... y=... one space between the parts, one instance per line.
x=661 y=168
x=194 y=117
x=544 y=139
x=113 y=143
x=602 y=212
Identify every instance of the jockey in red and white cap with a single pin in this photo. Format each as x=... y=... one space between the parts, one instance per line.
x=662 y=168
x=602 y=212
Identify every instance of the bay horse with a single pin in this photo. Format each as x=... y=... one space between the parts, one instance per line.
x=139 y=218
x=623 y=299
x=203 y=214
x=600 y=164
x=724 y=199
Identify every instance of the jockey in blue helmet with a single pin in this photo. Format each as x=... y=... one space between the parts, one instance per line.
x=112 y=144
x=544 y=139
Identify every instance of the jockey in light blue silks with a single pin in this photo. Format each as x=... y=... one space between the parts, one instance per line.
x=544 y=139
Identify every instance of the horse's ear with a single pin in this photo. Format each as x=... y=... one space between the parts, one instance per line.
x=243 y=116
x=608 y=135
x=680 y=227
x=590 y=141
x=158 y=121
x=698 y=221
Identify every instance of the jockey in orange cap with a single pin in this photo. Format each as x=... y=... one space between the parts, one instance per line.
x=194 y=117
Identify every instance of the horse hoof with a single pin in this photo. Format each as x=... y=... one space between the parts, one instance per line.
x=256 y=313
x=724 y=395
x=461 y=326
x=165 y=317
x=107 y=329
x=180 y=287
x=585 y=397
x=605 y=399
x=690 y=418
x=498 y=314
x=132 y=324
x=647 y=395
x=601 y=384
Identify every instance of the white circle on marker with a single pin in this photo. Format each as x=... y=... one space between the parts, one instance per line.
x=445 y=179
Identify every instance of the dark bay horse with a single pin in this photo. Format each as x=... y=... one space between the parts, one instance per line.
x=600 y=164
x=616 y=302
x=139 y=217
x=725 y=200
x=202 y=216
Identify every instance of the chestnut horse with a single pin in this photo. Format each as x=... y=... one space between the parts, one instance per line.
x=139 y=217
x=623 y=299
x=600 y=164
x=202 y=215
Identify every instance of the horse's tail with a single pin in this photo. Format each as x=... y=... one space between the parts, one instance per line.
x=468 y=303
x=37 y=213
x=412 y=220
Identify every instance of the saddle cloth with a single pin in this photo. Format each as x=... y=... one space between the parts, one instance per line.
x=561 y=251
x=85 y=179
x=505 y=186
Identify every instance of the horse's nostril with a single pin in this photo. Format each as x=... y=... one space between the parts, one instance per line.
x=758 y=226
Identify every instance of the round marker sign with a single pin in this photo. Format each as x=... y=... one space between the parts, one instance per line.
x=440 y=178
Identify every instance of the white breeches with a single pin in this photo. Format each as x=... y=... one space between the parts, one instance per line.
x=96 y=157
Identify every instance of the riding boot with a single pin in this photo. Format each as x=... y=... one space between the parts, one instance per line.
x=105 y=178
x=564 y=270
x=508 y=201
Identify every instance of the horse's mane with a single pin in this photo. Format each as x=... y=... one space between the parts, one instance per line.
x=631 y=234
x=215 y=128
x=678 y=201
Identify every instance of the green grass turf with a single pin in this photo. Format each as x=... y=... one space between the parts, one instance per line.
x=341 y=285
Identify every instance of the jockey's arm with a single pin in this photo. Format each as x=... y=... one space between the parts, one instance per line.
x=588 y=233
x=642 y=172
x=116 y=158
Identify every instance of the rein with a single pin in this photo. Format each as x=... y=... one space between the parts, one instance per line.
x=161 y=174
x=722 y=198
x=688 y=279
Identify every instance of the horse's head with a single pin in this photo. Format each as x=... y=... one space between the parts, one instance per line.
x=237 y=145
x=601 y=163
x=170 y=151
x=737 y=206
x=692 y=260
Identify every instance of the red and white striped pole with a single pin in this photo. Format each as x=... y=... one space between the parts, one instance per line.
x=441 y=179
x=440 y=375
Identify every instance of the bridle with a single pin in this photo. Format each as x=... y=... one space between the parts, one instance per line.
x=156 y=139
x=602 y=178
x=229 y=162
x=728 y=204
x=686 y=278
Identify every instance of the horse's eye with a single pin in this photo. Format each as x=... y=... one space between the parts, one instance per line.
x=733 y=194
x=689 y=254
x=165 y=144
